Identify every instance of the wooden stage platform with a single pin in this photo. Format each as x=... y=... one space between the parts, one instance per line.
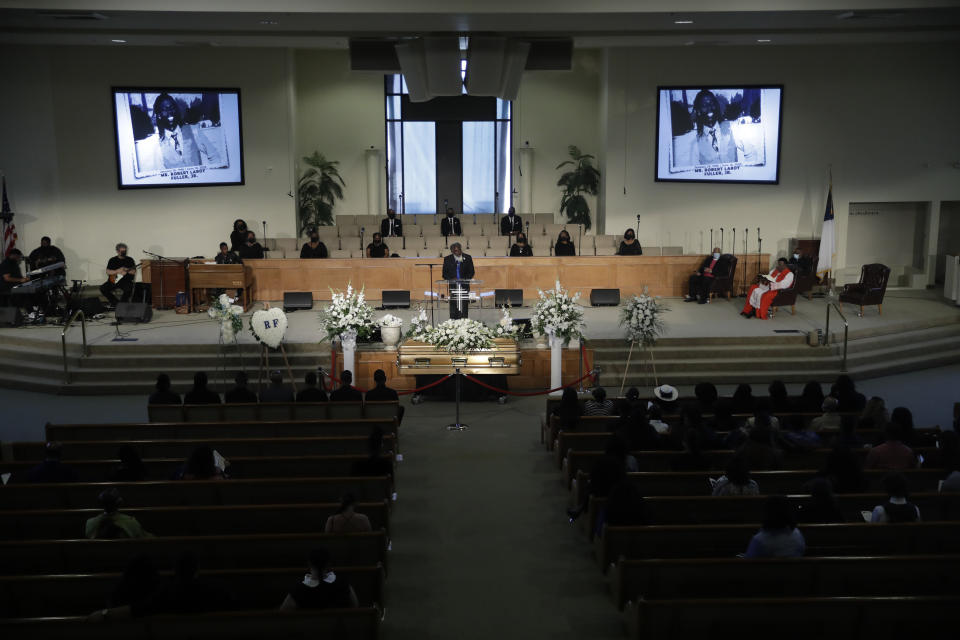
x=662 y=275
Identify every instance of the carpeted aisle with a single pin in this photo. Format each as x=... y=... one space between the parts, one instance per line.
x=481 y=546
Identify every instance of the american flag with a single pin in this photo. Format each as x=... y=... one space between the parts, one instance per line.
x=9 y=229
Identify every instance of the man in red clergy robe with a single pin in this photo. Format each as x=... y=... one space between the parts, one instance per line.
x=761 y=295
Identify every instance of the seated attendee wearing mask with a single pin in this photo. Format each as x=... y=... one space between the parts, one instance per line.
x=630 y=246
x=450 y=225
x=314 y=248
x=511 y=223
x=251 y=249
x=225 y=256
x=521 y=247
x=564 y=246
x=701 y=280
x=391 y=226
x=240 y=392
x=378 y=248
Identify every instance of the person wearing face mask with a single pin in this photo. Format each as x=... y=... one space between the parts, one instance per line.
x=450 y=225
x=378 y=248
x=238 y=237
x=391 y=226
x=521 y=247
x=314 y=248
x=564 y=246
x=251 y=249
x=762 y=294
x=121 y=270
x=630 y=246
x=511 y=223
x=458 y=266
x=800 y=264
x=702 y=278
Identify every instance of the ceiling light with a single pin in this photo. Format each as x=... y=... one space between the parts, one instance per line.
x=688 y=43
x=269 y=22
x=763 y=40
x=683 y=22
x=119 y=41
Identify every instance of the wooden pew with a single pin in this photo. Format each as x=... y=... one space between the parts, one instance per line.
x=662 y=460
x=197 y=492
x=122 y=432
x=229 y=447
x=697 y=483
x=271 y=411
x=253 y=467
x=667 y=579
x=52 y=524
x=727 y=540
x=214 y=552
x=737 y=509
x=356 y=624
x=877 y=618
x=77 y=594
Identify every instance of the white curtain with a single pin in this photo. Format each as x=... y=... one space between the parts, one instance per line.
x=419 y=167
x=478 y=167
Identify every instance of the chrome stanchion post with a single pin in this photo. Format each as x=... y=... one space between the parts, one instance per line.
x=457 y=425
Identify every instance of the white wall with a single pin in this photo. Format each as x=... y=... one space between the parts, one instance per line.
x=887 y=232
x=58 y=151
x=884 y=117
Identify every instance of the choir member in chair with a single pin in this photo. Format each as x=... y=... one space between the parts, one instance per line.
x=511 y=224
x=521 y=247
x=762 y=294
x=564 y=246
x=378 y=248
x=391 y=226
x=458 y=266
x=450 y=225
x=630 y=246
x=251 y=249
x=314 y=248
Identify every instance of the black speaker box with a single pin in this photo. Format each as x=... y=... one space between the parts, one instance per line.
x=10 y=317
x=134 y=312
x=91 y=306
x=511 y=297
x=396 y=299
x=293 y=300
x=604 y=297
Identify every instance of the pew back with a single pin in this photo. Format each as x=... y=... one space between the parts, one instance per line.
x=272 y=411
x=122 y=432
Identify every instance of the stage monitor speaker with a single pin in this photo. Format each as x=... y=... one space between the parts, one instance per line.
x=396 y=299
x=511 y=297
x=91 y=306
x=293 y=300
x=10 y=317
x=134 y=312
x=604 y=297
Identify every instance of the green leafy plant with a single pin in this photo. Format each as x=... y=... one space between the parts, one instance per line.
x=319 y=188
x=580 y=181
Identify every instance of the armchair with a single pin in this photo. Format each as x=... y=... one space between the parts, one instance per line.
x=723 y=283
x=870 y=289
x=806 y=276
x=786 y=297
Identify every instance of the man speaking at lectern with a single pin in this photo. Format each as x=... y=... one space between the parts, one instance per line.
x=458 y=266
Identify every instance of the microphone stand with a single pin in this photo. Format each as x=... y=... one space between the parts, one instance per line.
x=721 y=239
x=637 y=232
x=743 y=272
x=759 y=250
x=431 y=265
x=711 y=238
x=733 y=244
x=579 y=239
x=363 y=251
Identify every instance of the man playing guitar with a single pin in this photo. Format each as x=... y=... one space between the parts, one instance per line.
x=121 y=271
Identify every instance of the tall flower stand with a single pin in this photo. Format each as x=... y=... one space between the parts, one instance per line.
x=348 y=342
x=556 y=358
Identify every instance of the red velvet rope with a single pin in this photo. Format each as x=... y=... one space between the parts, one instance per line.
x=532 y=393
x=586 y=365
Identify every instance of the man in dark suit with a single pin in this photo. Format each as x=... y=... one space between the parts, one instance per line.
x=458 y=266
x=391 y=226
x=450 y=225
x=712 y=266
x=511 y=224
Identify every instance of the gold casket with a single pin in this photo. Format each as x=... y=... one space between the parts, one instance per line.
x=420 y=358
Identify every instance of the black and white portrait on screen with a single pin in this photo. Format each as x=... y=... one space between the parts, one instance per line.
x=718 y=134
x=178 y=137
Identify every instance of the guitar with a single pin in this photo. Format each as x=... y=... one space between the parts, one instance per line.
x=113 y=277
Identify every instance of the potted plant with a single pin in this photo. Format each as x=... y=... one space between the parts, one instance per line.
x=581 y=180
x=319 y=188
x=390 y=329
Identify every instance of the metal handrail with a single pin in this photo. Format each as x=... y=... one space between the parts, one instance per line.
x=63 y=340
x=846 y=332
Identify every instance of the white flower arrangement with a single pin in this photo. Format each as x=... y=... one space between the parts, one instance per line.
x=419 y=327
x=505 y=327
x=227 y=314
x=458 y=336
x=557 y=313
x=348 y=313
x=640 y=316
x=390 y=320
